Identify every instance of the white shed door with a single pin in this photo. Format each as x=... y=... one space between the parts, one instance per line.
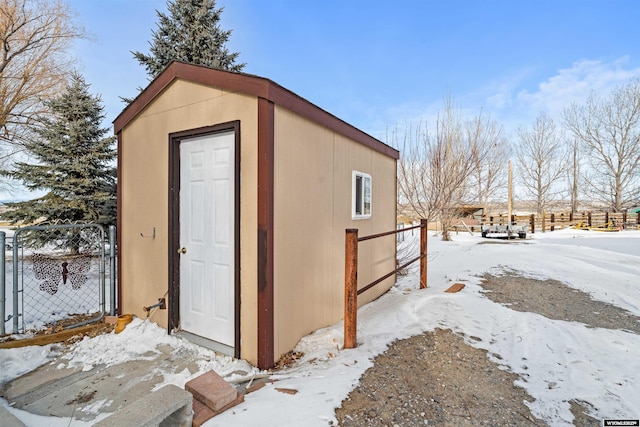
x=207 y=191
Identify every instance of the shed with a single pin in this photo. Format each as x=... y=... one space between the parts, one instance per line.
x=234 y=194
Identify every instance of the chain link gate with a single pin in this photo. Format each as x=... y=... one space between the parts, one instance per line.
x=58 y=276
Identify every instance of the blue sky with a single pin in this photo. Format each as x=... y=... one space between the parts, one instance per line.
x=378 y=65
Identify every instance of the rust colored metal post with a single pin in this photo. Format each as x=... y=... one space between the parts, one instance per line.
x=589 y=218
x=553 y=222
x=606 y=217
x=532 y=223
x=351 y=288
x=423 y=254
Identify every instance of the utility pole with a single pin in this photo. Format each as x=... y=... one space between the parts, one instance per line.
x=510 y=199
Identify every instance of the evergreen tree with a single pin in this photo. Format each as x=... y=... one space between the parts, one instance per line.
x=191 y=33
x=73 y=160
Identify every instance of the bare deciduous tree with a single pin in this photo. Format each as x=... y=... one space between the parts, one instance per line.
x=434 y=170
x=488 y=177
x=609 y=128
x=35 y=36
x=542 y=159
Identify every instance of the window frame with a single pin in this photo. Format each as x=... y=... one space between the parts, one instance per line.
x=359 y=181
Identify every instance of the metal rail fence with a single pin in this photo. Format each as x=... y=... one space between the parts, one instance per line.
x=351 y=290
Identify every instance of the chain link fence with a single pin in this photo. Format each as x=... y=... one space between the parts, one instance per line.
x=56 y=277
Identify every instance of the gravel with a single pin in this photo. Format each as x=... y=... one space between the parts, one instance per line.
x=557 y=301
x=436 y=379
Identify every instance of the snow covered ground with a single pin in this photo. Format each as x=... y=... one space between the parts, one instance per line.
x=564 y=360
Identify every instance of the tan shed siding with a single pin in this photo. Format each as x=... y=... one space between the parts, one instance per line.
x=140 y=285
x=313 y=169
x=303 y=227
x=144 y=162
x=383 y=218
x=376 y=257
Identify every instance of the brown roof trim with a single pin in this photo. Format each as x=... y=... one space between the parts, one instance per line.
x=250 y=85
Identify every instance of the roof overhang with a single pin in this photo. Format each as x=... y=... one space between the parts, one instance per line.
x=249 y=85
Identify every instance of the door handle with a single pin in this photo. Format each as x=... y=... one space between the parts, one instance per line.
x=182 y=250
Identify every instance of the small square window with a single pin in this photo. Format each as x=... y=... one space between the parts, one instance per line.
x=361 y=194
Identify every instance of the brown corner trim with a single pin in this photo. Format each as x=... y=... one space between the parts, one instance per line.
x=119 y=224
x=265 y=233
x=174 y=223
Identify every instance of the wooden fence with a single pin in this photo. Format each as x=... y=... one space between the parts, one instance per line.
x=556 y=221
x=351 y=290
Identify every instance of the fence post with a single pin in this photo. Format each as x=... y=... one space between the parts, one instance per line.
x=15 y=282
x=532 y=223
x=589 y=218
x=553 y=221
x=351 y=288
x=423 y=254
x=112 y=270
x=3 y=295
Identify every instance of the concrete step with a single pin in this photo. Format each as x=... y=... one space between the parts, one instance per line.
x=168 y=406
x=212 y=390
x=8 y=419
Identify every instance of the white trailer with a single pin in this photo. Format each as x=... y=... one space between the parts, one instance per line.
x=509 y=231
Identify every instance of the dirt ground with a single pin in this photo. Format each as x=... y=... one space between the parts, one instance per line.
x=436 y=379
x=557 y=301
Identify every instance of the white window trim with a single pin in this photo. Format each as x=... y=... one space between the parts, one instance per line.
x=366 y=177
